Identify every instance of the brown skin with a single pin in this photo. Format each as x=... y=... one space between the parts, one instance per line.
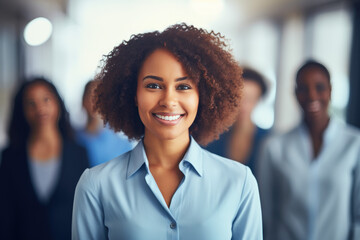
x=94 y=122
x=164 y=89
x=313 y=94
x=41 y=110
x=206 y=59
x=244 y=129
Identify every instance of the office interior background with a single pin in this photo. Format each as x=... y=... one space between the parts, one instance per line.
x=272 y=36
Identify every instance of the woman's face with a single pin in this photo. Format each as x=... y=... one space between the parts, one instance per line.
x=250 y=98
x=166 y=97
x=313 y=93
x=41 y=108
x=88 y=102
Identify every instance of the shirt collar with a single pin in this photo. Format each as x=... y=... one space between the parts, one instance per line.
x=194 y=157
x=138 y=158
x=329 y=133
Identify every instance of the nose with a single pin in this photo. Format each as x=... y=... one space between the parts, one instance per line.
x=39 y=108
x=312 y=94
x=169 y=98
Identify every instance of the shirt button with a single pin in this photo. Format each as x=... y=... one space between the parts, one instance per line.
x=172 y=225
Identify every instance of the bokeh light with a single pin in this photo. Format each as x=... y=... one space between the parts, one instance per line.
x=37 y=31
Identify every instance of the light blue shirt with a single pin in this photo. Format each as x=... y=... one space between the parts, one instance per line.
x=311 y=199
x=44 y=175
x=217 y=199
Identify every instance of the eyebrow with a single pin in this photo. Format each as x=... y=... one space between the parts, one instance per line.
x=161 y=80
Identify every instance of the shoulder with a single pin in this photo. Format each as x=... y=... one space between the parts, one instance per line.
x=73 y=147
x=12 y=155
x=274 y=138
x=6 y=152
x=73 y=151
x=222 y=163
x=229 y=176
x=13 y=163
x=113 y=170
x=350 y=131
x=228 y=171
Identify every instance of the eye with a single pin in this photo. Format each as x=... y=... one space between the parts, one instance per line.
x=183 y=87
x=153 y=86
x=320 y=87
x=301 y=89
x=30 y=103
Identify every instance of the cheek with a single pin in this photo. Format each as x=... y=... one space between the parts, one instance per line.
x=56 y=111
x=300 y=98
x=144 y=103
x=193 y=103
x=28 y=115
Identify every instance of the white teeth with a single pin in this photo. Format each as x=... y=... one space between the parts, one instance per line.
x=314 y=106
x=168 y=118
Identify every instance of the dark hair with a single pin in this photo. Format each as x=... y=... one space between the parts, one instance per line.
x=19 y=129
x=205 y=59
x=252 y=75
x=312 y=64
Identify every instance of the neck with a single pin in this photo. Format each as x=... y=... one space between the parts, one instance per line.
x=44 y=144
x=165 y=153
x=46 y=133
x=93 y=125
x=317 y=127
x=316 y=130
x=244 y=125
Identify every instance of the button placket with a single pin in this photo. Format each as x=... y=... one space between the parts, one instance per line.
x=173 y=225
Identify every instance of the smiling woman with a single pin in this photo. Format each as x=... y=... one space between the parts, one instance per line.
x=167 y=99
x=314 y=168
x=170 y=90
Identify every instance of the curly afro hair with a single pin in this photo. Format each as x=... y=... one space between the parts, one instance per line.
x=206 y=59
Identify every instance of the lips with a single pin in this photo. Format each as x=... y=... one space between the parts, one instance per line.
x=42 y=116
x=167 y=117
x=313 y=107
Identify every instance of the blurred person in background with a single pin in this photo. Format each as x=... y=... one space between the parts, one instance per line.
x=243 y=140
x=101 y=143
x=40 y=167
x=309 y=177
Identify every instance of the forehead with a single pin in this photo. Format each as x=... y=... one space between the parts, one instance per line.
x=249 y=83
x=312 y=75
x=37 y=89
x=162 y=61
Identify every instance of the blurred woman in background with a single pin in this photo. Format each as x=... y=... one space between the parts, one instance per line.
x=242 y=142
x=40 y=167
x=101 y=143
x=309 y=177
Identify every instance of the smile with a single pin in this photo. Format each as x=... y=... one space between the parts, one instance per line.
x=314 y=106
x=168 y=117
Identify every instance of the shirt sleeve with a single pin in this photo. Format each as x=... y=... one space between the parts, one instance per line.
x=248 y=221
x=356 y=202
x=87 y=221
